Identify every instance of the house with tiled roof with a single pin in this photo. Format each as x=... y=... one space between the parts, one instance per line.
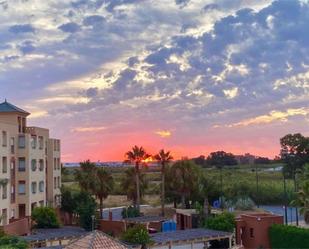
x=96 y=240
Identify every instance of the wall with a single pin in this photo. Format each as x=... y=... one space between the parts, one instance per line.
x=255 y=229
x=114 y=227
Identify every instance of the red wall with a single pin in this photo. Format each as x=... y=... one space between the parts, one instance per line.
x=255 y=228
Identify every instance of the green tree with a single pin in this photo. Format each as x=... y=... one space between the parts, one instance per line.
x=85 y=208
x=45 y=217
x=220 y=159
x=137 y=235
x=182 y=179
x=221 y=222
x=137 y=156
x=128 y=184
x=163 y=158
x=85 y=176
x=104 y=183
x=302 y=201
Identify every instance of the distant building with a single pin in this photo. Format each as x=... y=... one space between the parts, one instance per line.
x=245 y=159
x=252 y=229
x=30 y=166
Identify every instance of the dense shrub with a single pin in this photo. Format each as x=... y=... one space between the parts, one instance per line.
x=85 y=208
x=45 y=217
x=12 y=242
x=244 y=204
x=130 y=212
x=282 y=236
x=222 y=222
x=137 y=235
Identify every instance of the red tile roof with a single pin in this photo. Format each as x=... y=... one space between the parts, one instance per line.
x=96 y=240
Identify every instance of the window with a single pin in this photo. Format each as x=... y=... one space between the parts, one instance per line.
x=55 y=163
x=41 y=186
x=41 y=163
x=4 y=192
x=55 y=182
x=41 y=203
x=33 y=142
x=21 y=164
x=4 y=216
x=58 y=181
x=251 y=233
x=4 y=165
x=4 y=138
x=33 y=187
x=19 y=124
x=33 y=165
x=41 y=142
x=21 y=187
x=12 y=144
x=58 y=163
x=21 y=141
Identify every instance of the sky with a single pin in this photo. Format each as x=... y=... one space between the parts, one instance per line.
x=190 y=76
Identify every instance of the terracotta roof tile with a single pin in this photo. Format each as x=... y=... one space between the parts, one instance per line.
x=96 y=240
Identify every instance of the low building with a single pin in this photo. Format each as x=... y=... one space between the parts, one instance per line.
x=252 y=229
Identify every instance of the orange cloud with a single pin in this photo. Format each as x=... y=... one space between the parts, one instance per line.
x=88 y=129
x=163 y=133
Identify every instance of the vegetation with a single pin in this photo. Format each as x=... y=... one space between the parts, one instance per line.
x=128 y=184
x=163 y=158
x=104 y=183
x=288 y=237
x=137 y=156
x=12 y=242
x=137 y=235
x=85 y=209
x=130 y=212
x=183 y=181
x=222 y=222
x=45 y=217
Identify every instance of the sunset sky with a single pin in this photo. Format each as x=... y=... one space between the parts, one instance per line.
x=190 y=76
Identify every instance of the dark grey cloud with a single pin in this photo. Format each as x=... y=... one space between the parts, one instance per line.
x=21 y=28
x=94 y=21
x=70 y=27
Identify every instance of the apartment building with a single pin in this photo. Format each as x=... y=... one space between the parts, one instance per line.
x=30 y=166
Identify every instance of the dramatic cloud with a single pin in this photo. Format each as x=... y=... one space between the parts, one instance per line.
x=222 y=73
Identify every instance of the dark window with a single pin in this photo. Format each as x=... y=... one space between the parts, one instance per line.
x=251 y=233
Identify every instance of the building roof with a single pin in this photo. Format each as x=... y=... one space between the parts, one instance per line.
x=55 y=233
x=96 y=240
x=145 y=219
x=186 y=236
x=7 y=108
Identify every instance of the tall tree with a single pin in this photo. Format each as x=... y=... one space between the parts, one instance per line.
x=85 y=176
x=104 y=183
x=163 y=158
x=182 y=179
x=129 y=186
x=302 y=201
x=137 y=156
x=295 y=153
x=220 y=159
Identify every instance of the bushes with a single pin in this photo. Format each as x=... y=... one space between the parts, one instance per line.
x=130 y=212
x=288 y=237
x=45 y=217
x=222 y=222
x=12 y=242
x=137 y=235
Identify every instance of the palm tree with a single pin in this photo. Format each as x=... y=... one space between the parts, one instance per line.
x=303 y=201
x=137 y=156
x=163 y=158
x=183 y=179
x=85 y=176
x=129 y=186
x=104 y=183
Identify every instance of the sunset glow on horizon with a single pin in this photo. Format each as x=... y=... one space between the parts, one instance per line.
x=187 y=76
